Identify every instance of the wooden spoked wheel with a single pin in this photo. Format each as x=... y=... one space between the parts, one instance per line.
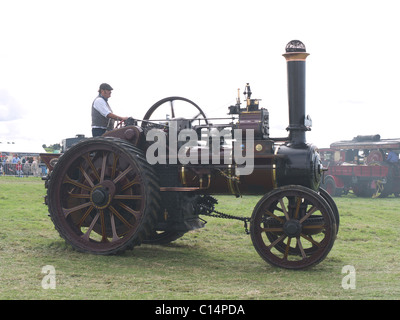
x=293 y=227
x=103 y=196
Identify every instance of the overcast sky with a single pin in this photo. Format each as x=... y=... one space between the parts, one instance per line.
x=54 y=54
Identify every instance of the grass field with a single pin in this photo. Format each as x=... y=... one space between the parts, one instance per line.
x=216 y=262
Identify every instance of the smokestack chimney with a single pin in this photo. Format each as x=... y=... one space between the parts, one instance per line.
x=296 y=76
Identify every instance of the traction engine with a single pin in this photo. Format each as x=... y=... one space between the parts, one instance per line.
x=149 y=181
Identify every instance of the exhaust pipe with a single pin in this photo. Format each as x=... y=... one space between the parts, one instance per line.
x=296 y=76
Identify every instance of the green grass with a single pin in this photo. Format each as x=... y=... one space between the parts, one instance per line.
x=216 y=262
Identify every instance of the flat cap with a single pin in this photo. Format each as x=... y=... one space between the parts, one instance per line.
x=105 y=86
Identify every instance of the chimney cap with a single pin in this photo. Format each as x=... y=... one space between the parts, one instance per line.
x=295 y=46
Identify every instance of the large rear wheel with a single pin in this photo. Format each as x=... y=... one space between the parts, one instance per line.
x=103 y=196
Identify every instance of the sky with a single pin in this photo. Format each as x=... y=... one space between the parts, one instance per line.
x=54 y=54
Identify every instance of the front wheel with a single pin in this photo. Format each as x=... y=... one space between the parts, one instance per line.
x=293 y=227
x=331 y=188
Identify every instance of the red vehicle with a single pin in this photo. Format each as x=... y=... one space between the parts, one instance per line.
x=366 y=165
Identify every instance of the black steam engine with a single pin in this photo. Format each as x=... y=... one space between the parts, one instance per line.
x=149 y=183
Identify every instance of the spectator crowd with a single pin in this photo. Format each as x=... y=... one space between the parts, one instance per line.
x=13 y=165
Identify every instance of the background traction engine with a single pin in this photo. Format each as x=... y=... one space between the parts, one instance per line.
x=149 y=183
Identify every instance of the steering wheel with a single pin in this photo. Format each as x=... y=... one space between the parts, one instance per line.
x=185 y=108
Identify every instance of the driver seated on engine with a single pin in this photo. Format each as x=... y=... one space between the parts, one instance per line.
x=102 y=115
